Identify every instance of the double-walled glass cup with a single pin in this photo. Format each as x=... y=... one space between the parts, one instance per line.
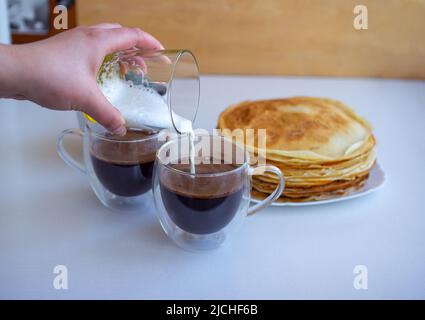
x=119 y=169
x=199 y=209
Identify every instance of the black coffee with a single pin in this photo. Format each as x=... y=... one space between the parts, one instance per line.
x=124 y=168
x=125 y=180
x=202 y=205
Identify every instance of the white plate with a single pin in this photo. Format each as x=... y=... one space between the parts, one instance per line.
x=375 y=181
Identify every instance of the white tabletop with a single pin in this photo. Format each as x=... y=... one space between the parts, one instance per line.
x=49 y=216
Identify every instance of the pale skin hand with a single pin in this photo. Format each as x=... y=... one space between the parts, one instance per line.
x=60 y=72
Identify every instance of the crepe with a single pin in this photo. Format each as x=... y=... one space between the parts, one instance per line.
x=321 y=145
x=302 y=127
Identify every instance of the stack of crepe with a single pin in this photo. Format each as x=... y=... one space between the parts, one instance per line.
x=322 y=147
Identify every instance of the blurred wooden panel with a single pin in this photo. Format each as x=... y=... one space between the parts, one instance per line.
x=280 y=37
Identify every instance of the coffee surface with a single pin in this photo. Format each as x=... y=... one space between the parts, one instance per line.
x=133 y=148
x=124 y=165
x=131 y=135
x=200 y=186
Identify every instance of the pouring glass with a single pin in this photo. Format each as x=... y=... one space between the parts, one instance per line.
x=174 y=74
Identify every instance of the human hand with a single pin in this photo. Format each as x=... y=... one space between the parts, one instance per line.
x=60 y=72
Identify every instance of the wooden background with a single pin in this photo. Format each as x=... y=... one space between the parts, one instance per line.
x=280 y=37
x=25 y=38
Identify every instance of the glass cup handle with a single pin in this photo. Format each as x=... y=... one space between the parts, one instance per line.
x=66 y=157
x=276 y=193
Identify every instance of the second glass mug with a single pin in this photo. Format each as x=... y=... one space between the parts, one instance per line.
x=200 y=210
x=119 y=169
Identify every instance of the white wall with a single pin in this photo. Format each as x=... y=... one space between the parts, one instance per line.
x=4 y=23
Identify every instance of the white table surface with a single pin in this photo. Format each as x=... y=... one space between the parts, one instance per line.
x=49 y=216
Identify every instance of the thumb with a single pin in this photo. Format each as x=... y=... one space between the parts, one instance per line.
x=100 y=109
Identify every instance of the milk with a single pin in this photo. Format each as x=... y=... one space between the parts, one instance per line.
x=144 y=108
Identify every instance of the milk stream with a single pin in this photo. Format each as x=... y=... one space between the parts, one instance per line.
x=192 y=151
x=144 y=108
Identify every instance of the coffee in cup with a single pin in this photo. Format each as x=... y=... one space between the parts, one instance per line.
x=200 y=209
x=124 y=169
x=201 y=205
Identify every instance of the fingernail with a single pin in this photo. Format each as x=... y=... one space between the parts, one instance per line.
x=121 y=131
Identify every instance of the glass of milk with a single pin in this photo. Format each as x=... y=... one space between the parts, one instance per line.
x=153 y=90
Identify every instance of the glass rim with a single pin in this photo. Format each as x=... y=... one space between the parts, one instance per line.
x=153 y=51
x=215 y=174
x=117 y=140
x=179 y=53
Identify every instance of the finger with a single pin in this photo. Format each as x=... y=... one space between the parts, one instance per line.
x=106 y=25
x=100 y=109
x=125 y=38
